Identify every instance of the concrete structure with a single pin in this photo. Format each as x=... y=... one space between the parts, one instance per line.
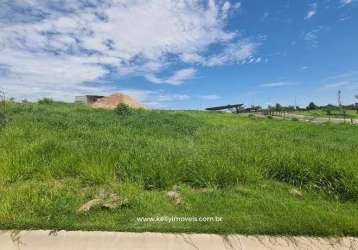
x=63 y=240
x=87 y=99
x=236 y=107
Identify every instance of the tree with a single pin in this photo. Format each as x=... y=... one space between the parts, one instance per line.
x=312 y=106
x=356 y=96
x=278 y=107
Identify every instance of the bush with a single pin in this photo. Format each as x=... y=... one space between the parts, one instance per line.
x=123 y=109
x=295 y=119
x=269 y=117
x=45 y=101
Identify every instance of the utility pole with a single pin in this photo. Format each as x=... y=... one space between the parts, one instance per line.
x=339 y=98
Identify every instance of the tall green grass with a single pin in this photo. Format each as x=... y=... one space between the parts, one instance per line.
x=160 y=149
x=153 y=151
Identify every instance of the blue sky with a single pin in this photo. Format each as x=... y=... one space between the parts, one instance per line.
x=181 y=53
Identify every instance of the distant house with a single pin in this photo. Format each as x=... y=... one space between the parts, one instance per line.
x=87 y=99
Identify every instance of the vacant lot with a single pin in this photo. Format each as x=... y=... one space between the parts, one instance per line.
x=262 y=176
x=332 y=114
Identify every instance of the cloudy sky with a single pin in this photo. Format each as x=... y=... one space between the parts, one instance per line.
x=181 y=53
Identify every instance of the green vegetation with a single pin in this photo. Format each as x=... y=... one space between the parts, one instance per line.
x=335 y=113
x=123 y=110
x=263 y=176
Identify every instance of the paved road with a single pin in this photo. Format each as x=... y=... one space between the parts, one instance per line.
x=47 y=240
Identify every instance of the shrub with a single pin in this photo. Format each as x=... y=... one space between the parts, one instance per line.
x=295 y=119
x=45 y=101
x=123 y=109
x=269 y=117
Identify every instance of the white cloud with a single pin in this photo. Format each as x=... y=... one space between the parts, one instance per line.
x=312 y=37
x=312 y=11
x=176 y=79
x=335 y=85
x=226 y=6
x=172 y=97
x=348 y=81
x=346 y=2
x=235 y=52
x=310 y=14
x=181 y=75
x=237 y=5
x=192 y=58
x=209 y=97
x=60 y=45
x=278 y=84
x=240 y=52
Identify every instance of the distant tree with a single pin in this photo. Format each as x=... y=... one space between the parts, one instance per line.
x=356 y=96
x=278 y=107
x=45 y=101
x=312 y=106
x=329 y=109
x=270 y=109
x=256 y=107
x=290 y=108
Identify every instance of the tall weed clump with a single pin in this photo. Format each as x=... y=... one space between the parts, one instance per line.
x=123 y=110
x=317 y=175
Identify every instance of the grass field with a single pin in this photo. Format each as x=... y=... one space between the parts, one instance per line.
x=263 y=176
x=334 y=114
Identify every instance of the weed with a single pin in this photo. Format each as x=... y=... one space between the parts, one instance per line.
x=123 y=110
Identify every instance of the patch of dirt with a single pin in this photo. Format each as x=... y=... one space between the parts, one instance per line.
x=295 y=192
x=112 y=101
x=88 y=205
x=175 y=197
x=111 y=201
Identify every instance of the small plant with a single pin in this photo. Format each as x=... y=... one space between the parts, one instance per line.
x=45 y=101
x=123 y=109
x=295 y=119
x=269 y=117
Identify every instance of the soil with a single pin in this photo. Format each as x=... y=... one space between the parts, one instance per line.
x=110 y=102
